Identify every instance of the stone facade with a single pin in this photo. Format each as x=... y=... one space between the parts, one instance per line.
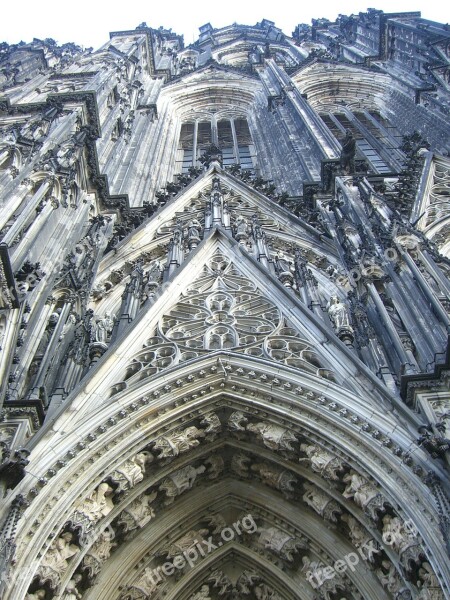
x=224 y=314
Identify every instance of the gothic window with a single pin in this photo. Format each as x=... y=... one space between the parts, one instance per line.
x=232 y=136
x=375 y=137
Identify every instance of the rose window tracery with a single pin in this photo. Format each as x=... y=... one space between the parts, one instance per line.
x=222 y=310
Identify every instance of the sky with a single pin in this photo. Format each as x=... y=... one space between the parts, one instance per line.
x=88 y=22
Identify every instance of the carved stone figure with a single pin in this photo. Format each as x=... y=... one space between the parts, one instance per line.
x=138 y=513
x=273 y=436
x=213 y=425
x=71 y=592
x=348 y=152
x=264 y=592
x=55 y=561
x=221 y=582
x=277 y=478
x=103 y=328
x=322 y=461
x=184 y=543
x=144 y=587
x=281 y=543
x=360 y=537
x=97 y=554
x=178 y=442
x=194 y=229
x=237 y=420
x=203 y=594
x=180 y=481
x=364 y=493
x=429 y=584
x=339 y=314
x=240 y=464
x=216 y=466
x=403 y=541
x=390 y=579
x=247 y=581
x=131 y=472
x=316 y=574
x=321 y=503
x=93 y=508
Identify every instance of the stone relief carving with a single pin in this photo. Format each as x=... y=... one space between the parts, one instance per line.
x=178 y=442
x=364 y=493
x=131 y=472
x=360 y=536
x=321 y=503
x=138 y=513
x=55 y=562
x=273 y=436
x=180 y=481
x=98 y=553
x=322 y=461
x=281 y=543
x=274 y=477
x=403 y=540
x=391 y=581
x=71 y=592
x=93 y=508
x=316 y=574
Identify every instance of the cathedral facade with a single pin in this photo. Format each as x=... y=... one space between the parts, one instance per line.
x=224 y=314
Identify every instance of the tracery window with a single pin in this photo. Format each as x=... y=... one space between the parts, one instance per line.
x=231 y=135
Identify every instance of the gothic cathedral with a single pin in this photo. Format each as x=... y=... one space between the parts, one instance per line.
x=225 y=314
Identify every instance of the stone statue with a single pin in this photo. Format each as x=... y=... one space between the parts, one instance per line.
x=339 y=314
x=178 y=442
x=363 y=492
x=203 y=594
x=322 y=461
x=237 y=420
x=213 y=425
x=360 y=537
x=194 y=229
x=273 y=436
x=138 y=513
x=240 y=465
x=390 y=579
x=55 y=562
x=93 y=508
x=348 y=152
x=279 y=479
x=221 y=582
x=103 y=328
x=184 y=543
x=216 y=466
x=281 y=543
x=321 y=503
x=131 y=472
x=429 y=586
x=97 y=554
x=180 y=481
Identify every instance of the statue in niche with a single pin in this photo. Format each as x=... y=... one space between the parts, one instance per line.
x=391 y=580
x=348 y=152
x=221 y=582
x=103 y=328
x=363 y=492
x=131 y=472
x=98 y=553
x=273 y=436
x=279 y=479
x=321 y=503
x=55 y=562
x=429 y=586
x=178 y=442
x=339 y=314
x=281 y=543
x=322 y=461
x=94 y=507
x=138 y=513
x=180 y=481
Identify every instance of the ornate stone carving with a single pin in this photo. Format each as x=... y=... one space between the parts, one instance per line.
x=402 y=539
x=276 y=478
x=131 y=472
x=391 y=580
x=273 y=436
x=71 y=592
x=203 y=594
x=221 y=582
x=138 y=513
x=240 y=465
x=216 y=466
x=180 y=481
x=93 y=508
x=98 y=553
x=144 y=587
x=38 y=595
x=213 y=425
x=281 y=543
x=360 y=537
x=237 y=421
x=55 y=562
x=178 y=442
x=317 y=575
x=363 y=493
x=429 y=585
x=322 y=461
x=321 y=503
